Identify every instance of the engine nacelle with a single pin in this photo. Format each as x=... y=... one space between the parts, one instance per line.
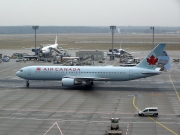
x=69 y=82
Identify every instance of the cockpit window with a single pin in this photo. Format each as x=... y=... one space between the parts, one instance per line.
x=21 y=70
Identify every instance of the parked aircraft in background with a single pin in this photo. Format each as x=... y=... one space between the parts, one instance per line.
x=76 y=75
x=47 y=49
x=120 y=52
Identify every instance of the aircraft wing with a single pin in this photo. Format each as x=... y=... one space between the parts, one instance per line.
x=87 y=78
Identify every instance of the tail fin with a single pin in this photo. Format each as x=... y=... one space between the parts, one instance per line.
x=56 y=39
x=151 y=60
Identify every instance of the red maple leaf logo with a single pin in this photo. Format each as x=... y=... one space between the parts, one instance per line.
x=152 y=60
x=38 y=68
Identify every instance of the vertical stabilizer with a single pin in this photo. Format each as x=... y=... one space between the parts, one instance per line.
x=56 y=39
x=151 y=60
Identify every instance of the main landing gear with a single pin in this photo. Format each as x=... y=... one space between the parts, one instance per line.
x=89 y=84
x=27 y=83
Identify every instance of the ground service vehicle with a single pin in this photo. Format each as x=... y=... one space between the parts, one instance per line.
x=114 y=129
x=149 y=111
x=5 y=59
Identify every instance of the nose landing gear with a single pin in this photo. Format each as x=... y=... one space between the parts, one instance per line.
x=27 y=83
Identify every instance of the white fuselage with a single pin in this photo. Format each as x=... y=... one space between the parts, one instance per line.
x=47 y=49
x=100 y=73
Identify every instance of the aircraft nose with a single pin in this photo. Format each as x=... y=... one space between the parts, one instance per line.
x=17 y=73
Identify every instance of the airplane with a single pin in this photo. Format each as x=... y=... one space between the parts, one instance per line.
x=47 y=49
x=120 y=51
x=77 y=75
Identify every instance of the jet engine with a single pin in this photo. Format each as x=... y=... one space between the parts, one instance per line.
x=69 y=82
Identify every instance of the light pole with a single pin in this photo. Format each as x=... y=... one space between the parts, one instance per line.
x=112 y=31
x=153 y=35
x=35 y=28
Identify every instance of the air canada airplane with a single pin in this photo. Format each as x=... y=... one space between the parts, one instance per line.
x=76 y=75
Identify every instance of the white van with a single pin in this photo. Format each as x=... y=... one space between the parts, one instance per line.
x=149 y=111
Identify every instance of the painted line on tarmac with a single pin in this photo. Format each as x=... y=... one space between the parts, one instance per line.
x=154 y=119
x=64 y=111
x=53 y=126
x=77 y=120
x=174 y=87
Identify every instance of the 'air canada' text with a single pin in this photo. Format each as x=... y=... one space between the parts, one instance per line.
x=58 y=69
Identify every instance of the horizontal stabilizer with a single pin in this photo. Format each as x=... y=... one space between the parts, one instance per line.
x=164 y=62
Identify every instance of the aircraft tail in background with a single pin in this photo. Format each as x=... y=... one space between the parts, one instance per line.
x=56 y=39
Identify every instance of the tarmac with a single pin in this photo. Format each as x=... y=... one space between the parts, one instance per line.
x=47 y=108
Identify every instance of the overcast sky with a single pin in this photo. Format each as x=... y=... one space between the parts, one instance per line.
x=90 y=12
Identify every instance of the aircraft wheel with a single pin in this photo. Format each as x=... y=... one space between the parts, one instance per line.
x=88 y=86
x=154 y=115
x=91 y=83
x=27 y=83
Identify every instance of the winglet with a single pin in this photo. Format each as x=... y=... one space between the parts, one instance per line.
x=152 y=59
